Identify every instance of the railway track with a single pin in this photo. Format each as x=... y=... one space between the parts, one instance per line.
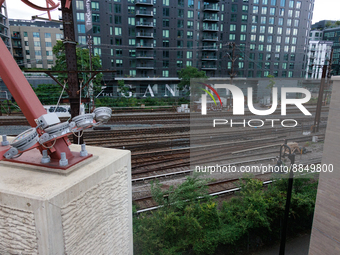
x=154 y=118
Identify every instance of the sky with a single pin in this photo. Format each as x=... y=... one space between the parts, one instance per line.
x=323 y=9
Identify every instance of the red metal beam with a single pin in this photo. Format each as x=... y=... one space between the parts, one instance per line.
x=19 y=87
x=39 y=8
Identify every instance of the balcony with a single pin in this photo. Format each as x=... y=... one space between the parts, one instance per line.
x=209 y=67
x=18 y=55
x=144 y=35
x=209 y=57
x=144 y=46
x=211 y=7
x=210 y=48
x=211 y=38
x=211 y=18
x=145 y=66
x=144 y=56
x=144 y=24
x=144 y=2
x=210 y=28
x=144 y=13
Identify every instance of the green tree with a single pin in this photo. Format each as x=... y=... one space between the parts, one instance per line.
x=83 y=63
x=328 y=24
x=337 y=23
x=123 y=90
x=186 y=74
x=48 y=94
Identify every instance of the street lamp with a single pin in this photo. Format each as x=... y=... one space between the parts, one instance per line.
x=291 y=156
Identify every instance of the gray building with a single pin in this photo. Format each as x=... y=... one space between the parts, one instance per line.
x=33 y=41
x=4 y=27
x=333 y=35
x=157 y=38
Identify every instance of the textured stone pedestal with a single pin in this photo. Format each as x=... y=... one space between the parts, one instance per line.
x=88 y=211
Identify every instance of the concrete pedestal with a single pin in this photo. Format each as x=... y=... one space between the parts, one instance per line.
x=87 y=211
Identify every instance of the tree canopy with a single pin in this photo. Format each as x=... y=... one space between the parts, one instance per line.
x=83 y=63
x=186 y=74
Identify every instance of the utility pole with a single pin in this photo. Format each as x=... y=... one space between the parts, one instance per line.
x=90 y=90
x=325 y=68
x=232 y=73
x=71 y=61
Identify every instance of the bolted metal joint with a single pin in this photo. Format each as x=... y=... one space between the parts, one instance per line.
x=63 y=161
x=4 y=141
x=83 y=152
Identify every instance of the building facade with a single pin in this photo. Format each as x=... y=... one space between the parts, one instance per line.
x=156 y=38
x=319 y=53
x=333 y=35
x=33 y=41
x=4 y=27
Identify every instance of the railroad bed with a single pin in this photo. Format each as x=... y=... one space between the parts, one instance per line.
x=154 y=118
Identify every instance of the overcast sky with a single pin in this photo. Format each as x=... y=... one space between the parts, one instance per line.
x=323 y=9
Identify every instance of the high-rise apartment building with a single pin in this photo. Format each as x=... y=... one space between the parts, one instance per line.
x=33 y=41
x=4 y=26
x=157 y=38
x=319 y=53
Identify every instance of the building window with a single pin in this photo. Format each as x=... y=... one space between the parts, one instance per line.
x=119 y=63
x=37 y=52
x=166 y=43
x=132 y=42
x=190 y=44
x=166 y=33
x=80 y=16
x=233 y=17
x=96 y=29
x=37 y=44
x=166 y=2
x=190 y=35
x=131 y=10
x=79 y=5
x=95 y=6
x=190 y=14
x=36 y=34
x=244 y=18
x=47 y=35
x=81 y=28
x=166 y=23
x=118 y=41
x=165 y=73
x=96 y=40
x=166 y=12
x=49 y=44
x=190 y=24
x=118 y=31
x=131 y=21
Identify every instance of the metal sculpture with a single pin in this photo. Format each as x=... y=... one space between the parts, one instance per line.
x=47 y=135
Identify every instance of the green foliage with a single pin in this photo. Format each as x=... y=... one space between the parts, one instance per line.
x=271 y=82
x=122 y=88
x=48 y=94
x=186 y=74
x=188 y=225
x=83 y=63
x=328 y=24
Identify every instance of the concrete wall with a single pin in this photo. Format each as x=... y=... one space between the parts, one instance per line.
x=88 y=211
x=326 y=225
